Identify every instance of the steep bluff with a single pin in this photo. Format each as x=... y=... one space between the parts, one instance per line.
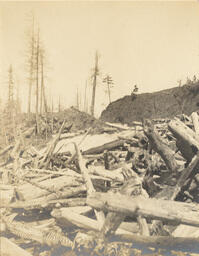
x=162 y=104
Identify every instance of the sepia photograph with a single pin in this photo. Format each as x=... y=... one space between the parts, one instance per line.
x=99 y=128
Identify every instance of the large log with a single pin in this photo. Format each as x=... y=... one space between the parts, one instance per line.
x=44 y=203
x=165 y=210
x=157 y=144
x=131 y=187
x=158 y=242
x=195 y=120
x=187 y=173
x=107 y=146
x=66 y=216
x=187 y=139
x=30 y=191
x=8 y=248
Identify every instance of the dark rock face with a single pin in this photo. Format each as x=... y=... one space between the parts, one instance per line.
x=162 y=104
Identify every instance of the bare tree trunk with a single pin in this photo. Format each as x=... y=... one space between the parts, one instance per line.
x=94 y=84
x=31 y=68
x=78 y=107
x=43 y=87
x=37 y=83
x=85 y=98
x=109 y=93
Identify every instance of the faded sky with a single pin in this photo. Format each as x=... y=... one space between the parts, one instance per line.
x=151 y=44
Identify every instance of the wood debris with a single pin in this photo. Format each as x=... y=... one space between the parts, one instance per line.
x=139 y=187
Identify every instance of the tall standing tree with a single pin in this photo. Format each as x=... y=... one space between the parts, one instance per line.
x=10 y=86
x=95 y=74
x=109 y=82
x=43 y=101
x=37 y=54
x=31 y=62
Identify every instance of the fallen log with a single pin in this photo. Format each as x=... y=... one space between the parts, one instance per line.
x=7 y=149
x=43 y=203
x=160 y=241
x=191 y=170
x=132 y=187
x=107 y=146
x=66 y=216
x=165 y=210
x=186 y=231
x=195 y=120
x=160 y=146
x=36 y=190
x=187 y=140
x=8 y=248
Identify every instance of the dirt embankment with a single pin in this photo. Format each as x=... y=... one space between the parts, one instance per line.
x=162 y=104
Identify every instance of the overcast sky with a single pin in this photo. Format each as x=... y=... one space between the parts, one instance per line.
x=151 y=44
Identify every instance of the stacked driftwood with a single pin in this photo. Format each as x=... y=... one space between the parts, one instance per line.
x=140 y=187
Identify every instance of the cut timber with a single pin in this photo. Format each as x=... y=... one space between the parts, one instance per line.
x=195 y=120
x=160 y=146
x=8 y=248
x=107 y=146
x=172 y=211
x=66 y=216
x=187 y=140
x=186 y=231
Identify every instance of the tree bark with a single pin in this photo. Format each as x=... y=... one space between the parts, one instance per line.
x=187 y=140
x=160 y=147
x=175 y=212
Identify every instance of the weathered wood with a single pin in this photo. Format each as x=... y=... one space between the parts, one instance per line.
x=46 y=159
x=74 y=153
x=114 y=175
x=159 y=241
x=8 y=248
x=187 y=140
x=191 y=169
x=66 y=216
x=27 y=232
x=106 y=146
x=7 y=149
x=36 y=190
x=176 y=212
x=131 y=187
x=89 y=185
x=186 y=231
x=195 y=120
x=44 y=202
x=160 y=146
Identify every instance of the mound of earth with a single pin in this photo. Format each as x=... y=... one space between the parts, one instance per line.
x=162 y=104
x=79 y=120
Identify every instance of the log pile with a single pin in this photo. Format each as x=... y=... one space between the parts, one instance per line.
x=141 y=187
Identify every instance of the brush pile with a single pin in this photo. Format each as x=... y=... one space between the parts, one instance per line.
x=124 y=191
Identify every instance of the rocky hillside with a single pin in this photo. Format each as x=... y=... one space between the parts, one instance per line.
x=161 y=104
